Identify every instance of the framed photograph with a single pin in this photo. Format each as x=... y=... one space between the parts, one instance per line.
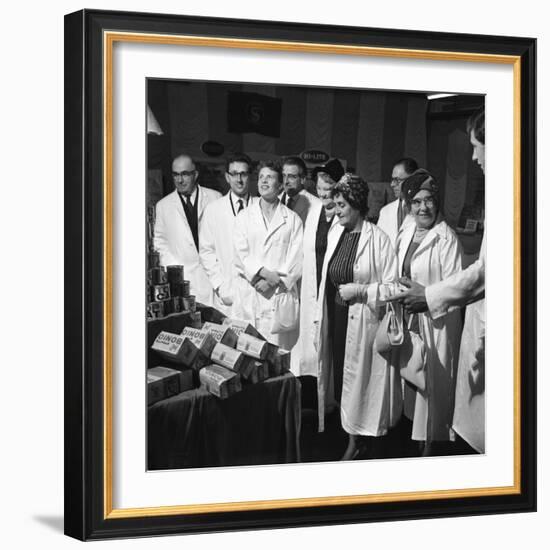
x=246 y=206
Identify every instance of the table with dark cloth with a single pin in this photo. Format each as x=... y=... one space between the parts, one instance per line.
x=259 y=425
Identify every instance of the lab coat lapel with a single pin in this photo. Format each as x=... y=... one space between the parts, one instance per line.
x=202 y=203
x=278 y=220
x=404 y=239
x=433 y=234
x=366 y=234
x=180 y=214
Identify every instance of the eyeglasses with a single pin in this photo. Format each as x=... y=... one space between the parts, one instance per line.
x=239 y=174
x=428 y=201
x=184 y=174
x=398 y=181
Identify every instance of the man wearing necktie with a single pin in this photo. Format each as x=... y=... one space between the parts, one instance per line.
x=216 y=231
x=295 y=196
x=393 y=215
x=177 y=225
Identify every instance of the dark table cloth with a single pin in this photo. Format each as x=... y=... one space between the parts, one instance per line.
x=259 y=425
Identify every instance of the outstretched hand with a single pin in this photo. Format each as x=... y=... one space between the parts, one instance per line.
x=414 y=298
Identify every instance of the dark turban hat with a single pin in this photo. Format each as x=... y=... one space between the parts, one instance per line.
x=420 y=179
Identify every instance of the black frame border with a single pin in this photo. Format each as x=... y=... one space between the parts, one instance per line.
x=84 y=257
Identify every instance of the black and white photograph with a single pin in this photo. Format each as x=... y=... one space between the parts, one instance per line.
x=315 y=274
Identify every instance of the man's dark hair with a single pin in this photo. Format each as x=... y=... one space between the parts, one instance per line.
x=296 y=161
x=238 y=157
x=409 y=164
x=476 y=124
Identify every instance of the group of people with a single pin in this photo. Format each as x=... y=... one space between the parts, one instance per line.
x=315 y=276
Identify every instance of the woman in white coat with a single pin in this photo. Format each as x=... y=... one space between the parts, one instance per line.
x=359 y=272
x=320 y=223
x=428 y=252
x=268 y=262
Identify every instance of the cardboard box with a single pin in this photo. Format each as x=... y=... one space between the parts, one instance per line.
x=252 y=346
x=220 y=381
x=163 y=382
x=175 y=348
x=227 y=357
x=223 y=334
x=239 y=327
x=258 y=373
x=202 y=339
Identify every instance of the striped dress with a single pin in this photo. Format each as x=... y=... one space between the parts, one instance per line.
x=340 y=272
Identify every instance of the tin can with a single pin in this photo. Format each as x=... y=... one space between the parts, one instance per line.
x=175 y=273
x=155 y=310
x=186 y=289
x=197 y=319
x=189 y=303
x=167 y=306
x=159 y=276
x=154 y=259
x=177 y=304
x=161 y=292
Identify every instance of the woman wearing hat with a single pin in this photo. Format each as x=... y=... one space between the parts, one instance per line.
x=358 y=272
x=428 y=251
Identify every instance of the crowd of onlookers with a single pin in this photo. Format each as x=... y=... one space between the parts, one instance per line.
x=315 y=276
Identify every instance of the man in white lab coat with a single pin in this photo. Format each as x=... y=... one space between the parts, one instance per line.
x=393 y=215
x=466 y=287
x=295 y=196
x=177 y=223
x=217 y=227
x=268 y=262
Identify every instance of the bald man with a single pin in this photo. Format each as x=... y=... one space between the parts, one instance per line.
x=178 y=217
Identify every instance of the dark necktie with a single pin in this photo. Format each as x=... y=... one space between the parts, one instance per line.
x=188 y=203
x=400 y=214
x=289 y=202
x=241 y=205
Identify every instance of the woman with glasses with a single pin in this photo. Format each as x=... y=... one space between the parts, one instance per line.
x=359 y=272
x=428 y=251
x=268 y=262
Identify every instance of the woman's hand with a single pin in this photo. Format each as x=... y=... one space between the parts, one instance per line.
x=271 y=277
x=413 y=299
x=348 y=292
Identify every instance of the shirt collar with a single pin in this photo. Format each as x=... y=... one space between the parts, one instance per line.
x=193 y=195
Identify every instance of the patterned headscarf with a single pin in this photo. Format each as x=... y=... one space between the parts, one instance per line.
x=418 y=180
x=355 y=191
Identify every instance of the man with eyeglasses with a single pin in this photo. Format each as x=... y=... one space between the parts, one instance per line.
x=393 y=215
x=177 y=223
x=216 y=230
x=294 y=195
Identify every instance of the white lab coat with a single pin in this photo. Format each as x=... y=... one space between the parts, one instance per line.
x=216 y=247
x=174 y=241
x=438 y=257
x=305 y=360
x=277 y=247
x=465 y=287
x=387 y=221
x=371 y=400
x=303 y=203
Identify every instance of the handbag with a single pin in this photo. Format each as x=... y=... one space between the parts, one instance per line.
x=390 y=332
x=286 y=311
x=412 y=358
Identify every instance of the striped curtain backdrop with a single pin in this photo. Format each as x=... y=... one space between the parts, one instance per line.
x=369 y=130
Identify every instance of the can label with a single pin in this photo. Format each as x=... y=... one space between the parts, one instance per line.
x=159 y=275
x=189 y=303
x=161 y=292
